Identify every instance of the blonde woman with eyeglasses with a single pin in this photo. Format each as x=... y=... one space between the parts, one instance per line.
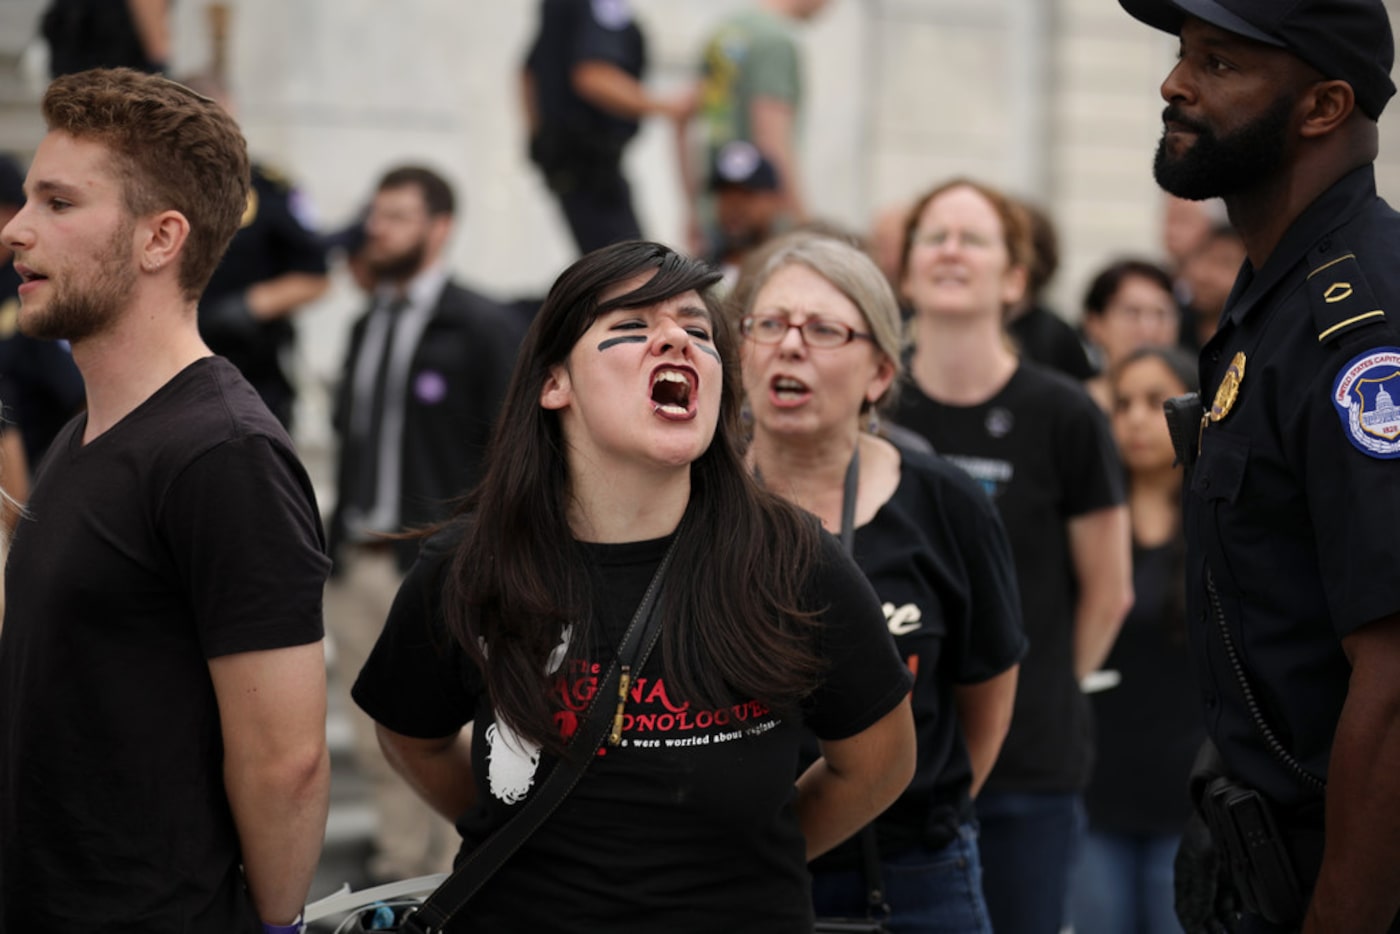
x=821 y=355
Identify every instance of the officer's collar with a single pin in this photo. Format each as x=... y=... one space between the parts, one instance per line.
x=1332 y=209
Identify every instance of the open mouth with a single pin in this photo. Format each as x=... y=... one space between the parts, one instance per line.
x=29 y=278
x=673 y=392
x=788 y=391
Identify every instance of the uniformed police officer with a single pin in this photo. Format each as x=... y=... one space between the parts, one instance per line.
x=583 y=99
x=1293 y=501
x=274 y=266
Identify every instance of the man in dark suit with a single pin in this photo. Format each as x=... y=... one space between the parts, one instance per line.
x=424 y=374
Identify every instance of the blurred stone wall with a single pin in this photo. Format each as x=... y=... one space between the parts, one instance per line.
x=1054 y=99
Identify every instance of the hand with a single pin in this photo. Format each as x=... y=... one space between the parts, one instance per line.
x=681 y=107
x=1205 y=898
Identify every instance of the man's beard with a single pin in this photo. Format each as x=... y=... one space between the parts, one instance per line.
x=1220 y=166
x=80 y=309
x=400 y=267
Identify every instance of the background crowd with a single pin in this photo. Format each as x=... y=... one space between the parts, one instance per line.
x=1073 y=603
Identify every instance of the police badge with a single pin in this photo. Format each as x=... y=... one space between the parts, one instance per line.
x=1229 y=389
x=1364 y=394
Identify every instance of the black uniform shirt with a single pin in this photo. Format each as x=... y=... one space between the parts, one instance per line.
x=271 y=241
x=1293 y=510
x=573 y=32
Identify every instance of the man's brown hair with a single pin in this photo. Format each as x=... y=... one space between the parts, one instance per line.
x=173 y=150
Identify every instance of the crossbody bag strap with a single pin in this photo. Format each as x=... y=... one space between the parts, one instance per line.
x=875 y=904
x=484 y=861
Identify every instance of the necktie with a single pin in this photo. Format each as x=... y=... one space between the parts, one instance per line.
x=365 y=447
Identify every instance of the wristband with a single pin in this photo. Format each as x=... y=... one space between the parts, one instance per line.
x=296 y=927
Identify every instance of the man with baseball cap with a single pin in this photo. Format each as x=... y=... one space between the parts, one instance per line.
x=748 y=204
x=1292 y=499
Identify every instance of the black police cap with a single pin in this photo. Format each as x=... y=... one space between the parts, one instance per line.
x=1349 y=40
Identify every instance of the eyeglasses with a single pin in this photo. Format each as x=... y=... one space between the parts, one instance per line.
x=816 y=332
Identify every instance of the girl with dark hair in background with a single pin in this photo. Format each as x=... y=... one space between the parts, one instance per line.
x=618 y=445
x=1149 y=722
x=1128 y=305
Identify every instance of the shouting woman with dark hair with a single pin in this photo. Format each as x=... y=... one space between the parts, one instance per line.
x=616 y=471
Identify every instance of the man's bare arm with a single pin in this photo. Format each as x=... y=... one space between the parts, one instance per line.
x=272 y=708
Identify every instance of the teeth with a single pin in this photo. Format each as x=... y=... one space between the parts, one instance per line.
x=671 y=409
x=783 y=384
x=671 y=376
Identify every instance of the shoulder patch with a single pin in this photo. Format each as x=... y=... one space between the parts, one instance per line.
x=1340 y=297
x=1364 y=394
x=612 y=14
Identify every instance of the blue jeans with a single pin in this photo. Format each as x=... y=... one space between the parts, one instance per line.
x=1029 y=845
x=928 y=891
x=1123 y=885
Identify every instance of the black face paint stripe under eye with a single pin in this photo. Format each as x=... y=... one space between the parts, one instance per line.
x=709 y=350
x=629 y=339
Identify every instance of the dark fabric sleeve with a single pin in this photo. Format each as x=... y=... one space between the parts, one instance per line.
x=1354 y=503
x=297 y=249
x=986 y=638
x=866 y=678
x=418 y=681
x=245 y=535
x=1085 y=457
x=594 y=40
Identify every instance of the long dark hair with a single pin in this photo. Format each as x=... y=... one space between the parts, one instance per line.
x=734 y=622
x=1183 y=367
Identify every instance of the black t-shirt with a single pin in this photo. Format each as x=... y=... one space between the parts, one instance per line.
x=185 y=532
x=85 y=34
x=689 y=824
x=939 y=560
x=1149 y=726
x=1042 y=450
x=573 y=32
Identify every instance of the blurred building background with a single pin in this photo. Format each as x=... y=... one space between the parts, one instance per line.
x=1055 y=100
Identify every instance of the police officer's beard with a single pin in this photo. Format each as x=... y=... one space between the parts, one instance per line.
x=401 y=267
x=1221 y=166
x=79 y=308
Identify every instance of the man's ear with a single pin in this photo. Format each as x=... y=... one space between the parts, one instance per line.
x=160 y=238
x=556 y=393
x=1326 y=105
